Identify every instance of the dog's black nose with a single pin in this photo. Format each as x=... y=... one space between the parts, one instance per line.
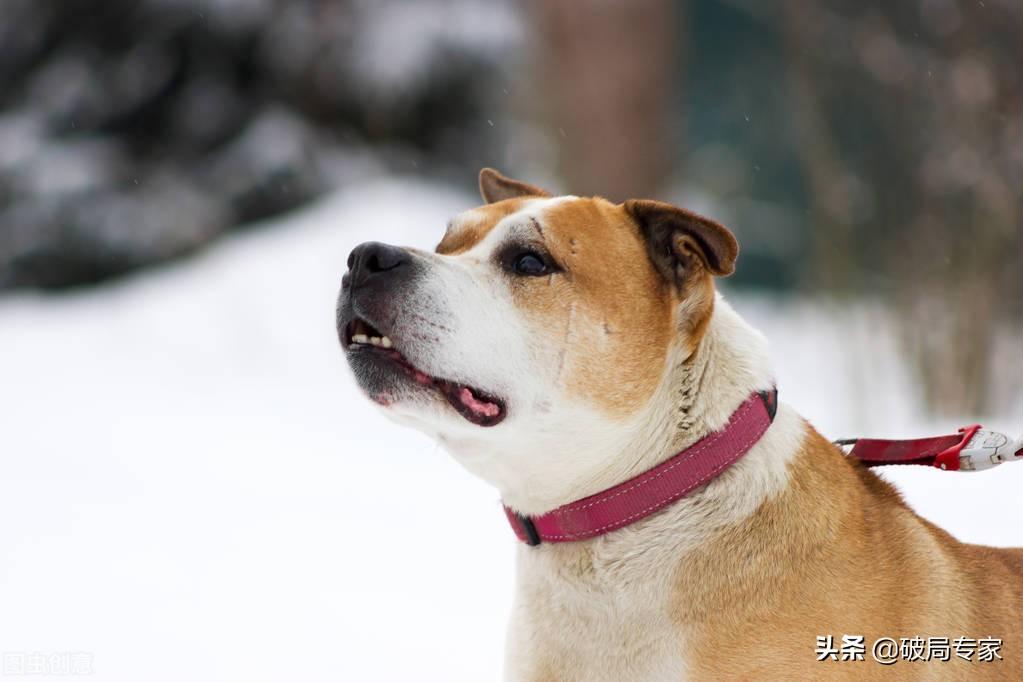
x=373 y=259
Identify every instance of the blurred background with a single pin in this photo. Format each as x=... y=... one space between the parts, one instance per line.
x=872 y=151
x=181 y=181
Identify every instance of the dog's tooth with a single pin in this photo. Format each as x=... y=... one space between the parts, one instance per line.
x=375 y=340
x=359 y=338
x=386 y=342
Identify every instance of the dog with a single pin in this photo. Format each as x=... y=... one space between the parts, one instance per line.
x=559 y=347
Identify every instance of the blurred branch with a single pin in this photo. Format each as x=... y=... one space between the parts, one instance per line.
x=921 y=109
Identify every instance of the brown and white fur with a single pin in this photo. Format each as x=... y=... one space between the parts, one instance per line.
x=619 y=357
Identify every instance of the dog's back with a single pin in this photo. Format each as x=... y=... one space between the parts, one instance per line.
x=854 y=562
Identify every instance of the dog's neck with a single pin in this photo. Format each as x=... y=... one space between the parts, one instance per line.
x=622 y=577
x=697 y=394
x=567 y=456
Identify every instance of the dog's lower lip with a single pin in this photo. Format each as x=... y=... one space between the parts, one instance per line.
x=473 y=404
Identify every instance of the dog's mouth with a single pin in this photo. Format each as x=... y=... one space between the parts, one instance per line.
x=475 y=405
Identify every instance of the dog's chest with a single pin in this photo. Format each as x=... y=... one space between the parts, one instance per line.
x=569 y=625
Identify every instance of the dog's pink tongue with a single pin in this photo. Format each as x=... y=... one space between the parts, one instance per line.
x=479 y=407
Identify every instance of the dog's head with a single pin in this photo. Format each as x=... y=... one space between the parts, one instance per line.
x=535 y=317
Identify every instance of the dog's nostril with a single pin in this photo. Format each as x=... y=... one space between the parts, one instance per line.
x=374 y=258
x=381 y=260
x=351 y=259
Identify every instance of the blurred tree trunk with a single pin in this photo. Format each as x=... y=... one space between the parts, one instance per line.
x=819 y=153
x=607 y=75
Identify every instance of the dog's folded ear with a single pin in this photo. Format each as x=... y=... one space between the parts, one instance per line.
x=680 y=241
x=496 y=187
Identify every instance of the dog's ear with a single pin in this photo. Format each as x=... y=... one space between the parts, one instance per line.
x=496 y=187
x=681 y=242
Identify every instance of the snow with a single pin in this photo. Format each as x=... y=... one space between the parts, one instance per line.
x=400 y=44
x=192 y=488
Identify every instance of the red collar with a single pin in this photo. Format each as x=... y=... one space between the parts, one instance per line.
x=972 y=449
x=656 y=488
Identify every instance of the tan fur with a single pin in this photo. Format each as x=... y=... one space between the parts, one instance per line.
x=616 y=333
x=612 y=311
x=474 y=225
x=838 y=552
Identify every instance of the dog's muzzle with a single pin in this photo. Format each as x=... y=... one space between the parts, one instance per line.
x=373 y=316
x=377 y=274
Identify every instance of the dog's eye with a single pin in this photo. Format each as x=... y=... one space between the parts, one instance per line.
x=530 y=264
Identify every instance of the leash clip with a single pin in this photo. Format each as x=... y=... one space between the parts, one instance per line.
x=982 y=449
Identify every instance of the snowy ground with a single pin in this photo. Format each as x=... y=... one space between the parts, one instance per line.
x=191 y=488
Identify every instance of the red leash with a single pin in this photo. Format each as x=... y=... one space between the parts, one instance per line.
x=971 y=449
